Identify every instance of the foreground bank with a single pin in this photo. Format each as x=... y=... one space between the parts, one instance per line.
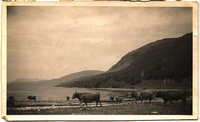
x=126 y=108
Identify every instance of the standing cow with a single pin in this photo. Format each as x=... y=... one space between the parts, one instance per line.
x=146 y=95
x=11 y=101
x=87 y=98
x=32 y=98
x=172 y=95
x=111 y=98
x=119 y=100
x=68 y=98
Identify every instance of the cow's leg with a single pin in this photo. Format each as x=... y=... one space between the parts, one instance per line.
x=154 y=98
x=184 y=101
x=86 y=104
x=165 y=102
x=141 y=101
x=171 y=101
x=135 y=101
x=96 y=103
x=100 y=103
x=12 y=103
x=79 y=103
x=149 y=100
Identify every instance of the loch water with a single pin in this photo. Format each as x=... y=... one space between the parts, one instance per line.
x=49 y=93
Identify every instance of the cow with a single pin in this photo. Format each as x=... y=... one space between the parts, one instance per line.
x=145 y=95
x=87 y=98
x=119 y=100
x=32 y=98
x=172 y=95
x=68 y=98
x=11 y=101
x=111 y=98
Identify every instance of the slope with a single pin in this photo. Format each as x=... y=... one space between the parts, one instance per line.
x=170 y=58
x=56 y=81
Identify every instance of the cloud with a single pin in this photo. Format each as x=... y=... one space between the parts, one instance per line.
x=48 y=42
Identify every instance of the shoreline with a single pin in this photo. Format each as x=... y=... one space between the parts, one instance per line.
x=125 y=108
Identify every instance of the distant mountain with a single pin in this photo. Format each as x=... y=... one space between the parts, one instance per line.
x=54 y=82
x=170 y=58
x=25 y=80
x=70 y=77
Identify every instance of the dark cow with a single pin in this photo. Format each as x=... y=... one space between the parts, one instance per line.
x=87 y=98
x=111 y=98
x=119 y=100
x=172 y=95
x=32 y=98
x=68 y=98
x=11 y=101
x=11 y=98
x=145 y=95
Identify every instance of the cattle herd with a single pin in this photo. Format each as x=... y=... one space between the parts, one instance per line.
x=134 y=95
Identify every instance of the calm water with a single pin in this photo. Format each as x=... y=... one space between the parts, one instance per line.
x=49 y=93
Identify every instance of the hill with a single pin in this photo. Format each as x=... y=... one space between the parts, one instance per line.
x=70 y=77
x=56 y=81
x=27 y=80
x=170 y=58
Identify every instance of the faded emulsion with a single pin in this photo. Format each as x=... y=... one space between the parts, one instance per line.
x=99 y=60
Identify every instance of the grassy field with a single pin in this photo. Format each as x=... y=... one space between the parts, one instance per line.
x=125 y=108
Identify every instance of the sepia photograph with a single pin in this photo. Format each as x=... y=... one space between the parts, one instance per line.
x=100 y=60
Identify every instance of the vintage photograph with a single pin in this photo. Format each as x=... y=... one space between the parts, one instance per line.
x=99 y=60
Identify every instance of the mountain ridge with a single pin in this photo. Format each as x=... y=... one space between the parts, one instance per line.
x=168 y=57
x=56 y=81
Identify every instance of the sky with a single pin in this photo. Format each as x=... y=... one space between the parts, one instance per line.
x=47 y=42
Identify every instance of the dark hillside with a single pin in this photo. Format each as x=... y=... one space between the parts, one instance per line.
x=170 y=58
